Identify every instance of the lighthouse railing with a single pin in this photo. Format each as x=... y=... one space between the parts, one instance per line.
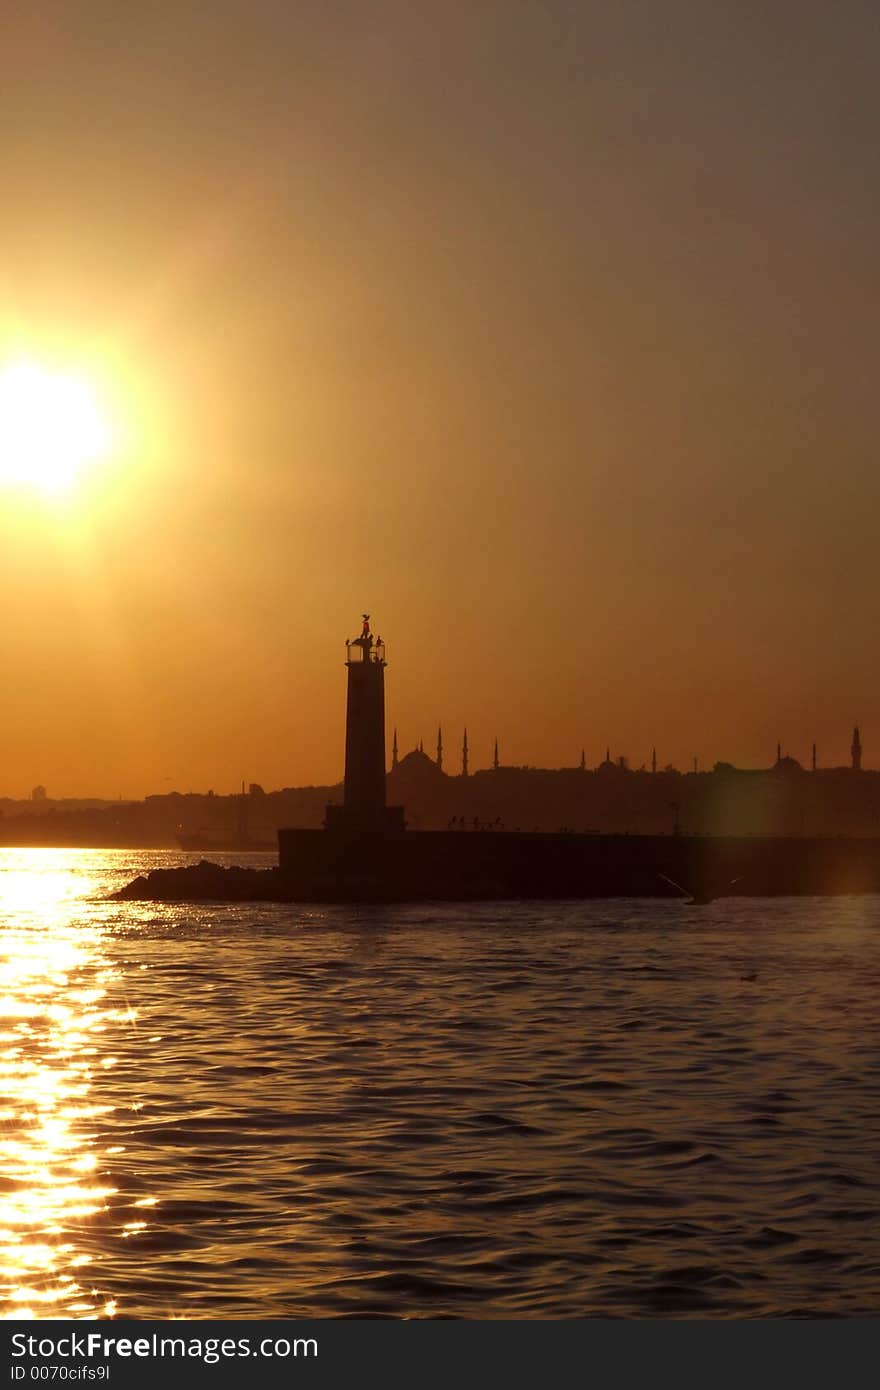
x=364 y=649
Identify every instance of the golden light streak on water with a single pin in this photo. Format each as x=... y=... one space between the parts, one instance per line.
x=53 y=974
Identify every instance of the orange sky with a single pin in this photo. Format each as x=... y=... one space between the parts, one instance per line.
x=546 y=333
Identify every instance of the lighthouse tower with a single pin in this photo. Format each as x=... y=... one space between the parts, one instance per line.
x=363 y=807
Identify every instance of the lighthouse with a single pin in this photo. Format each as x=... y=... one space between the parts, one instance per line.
x=363 y=807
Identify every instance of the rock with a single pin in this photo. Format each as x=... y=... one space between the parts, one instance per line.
x=203 y=882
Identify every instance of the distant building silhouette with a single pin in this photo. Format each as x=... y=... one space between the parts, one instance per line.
x=418 y=765
x=440 y=747
x=583 y=763
x=38 y=793
x=813 y=764
x=856 y=750
x=787 y=764
x=464 y=755
x=495 y=762
x=653 y=759
x=394 y=758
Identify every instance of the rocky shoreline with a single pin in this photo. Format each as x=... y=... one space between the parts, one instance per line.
x=206 y=882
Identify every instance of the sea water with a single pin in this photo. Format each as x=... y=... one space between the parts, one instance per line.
x=497 y=1110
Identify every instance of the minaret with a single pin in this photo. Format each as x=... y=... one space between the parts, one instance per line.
x=653 y=759
x=778 y=752
x=856 y=750
x=495 y=762
x=365 y=729
x=608 y=755
x=439 y=748
x=814 y=757
x=421 y=745
x=464 y=755
x=583 y=760
x=394 y=758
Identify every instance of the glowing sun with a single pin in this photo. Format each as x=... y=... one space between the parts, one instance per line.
x=50 y=425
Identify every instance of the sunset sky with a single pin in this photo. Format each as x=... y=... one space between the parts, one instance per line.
x=546 y=333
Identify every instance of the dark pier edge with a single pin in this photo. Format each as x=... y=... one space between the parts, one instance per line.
x=376 y=866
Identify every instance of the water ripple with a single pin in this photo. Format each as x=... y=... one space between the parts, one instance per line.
x=491 y=1110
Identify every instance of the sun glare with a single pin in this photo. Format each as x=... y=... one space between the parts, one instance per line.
x=50 y=426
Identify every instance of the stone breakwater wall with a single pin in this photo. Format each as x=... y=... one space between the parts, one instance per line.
x=319 y=866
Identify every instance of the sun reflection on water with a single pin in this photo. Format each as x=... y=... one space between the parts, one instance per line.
x=53 y=976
